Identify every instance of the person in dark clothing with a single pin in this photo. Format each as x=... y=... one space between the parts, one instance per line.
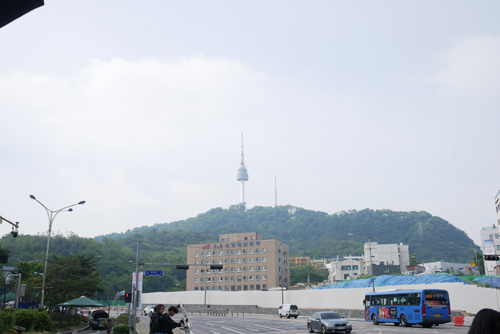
x=155 y=319
x=166 y=322
x=486 y=321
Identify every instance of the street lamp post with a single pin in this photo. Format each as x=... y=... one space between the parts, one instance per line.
x=51 y=215
x=371 y=263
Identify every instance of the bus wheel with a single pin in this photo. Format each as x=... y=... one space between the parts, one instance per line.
x=374 y=319
x=403 y=321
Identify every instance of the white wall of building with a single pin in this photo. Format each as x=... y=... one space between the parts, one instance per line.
x=441 y=266
x=335 y=272
x=468 y=298
x=388 y=254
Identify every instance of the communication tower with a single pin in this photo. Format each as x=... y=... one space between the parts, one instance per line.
x=242 y=175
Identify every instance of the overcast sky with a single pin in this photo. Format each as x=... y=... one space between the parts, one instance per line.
x=137 y=107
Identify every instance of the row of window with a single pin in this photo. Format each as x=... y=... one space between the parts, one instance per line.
x=232 y=252
x=354 y=267
x=232 y=288
x=246 y=238
x=226 y=270
x=233 y=279
x=234 y=261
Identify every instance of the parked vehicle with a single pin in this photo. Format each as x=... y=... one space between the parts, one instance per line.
x=327 y=322
x=288 y=310
x=148 y=310
x=408 y=307
x=98 y=319
x=85 y=315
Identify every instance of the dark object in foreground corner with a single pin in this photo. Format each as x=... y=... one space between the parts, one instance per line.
x=14 y=9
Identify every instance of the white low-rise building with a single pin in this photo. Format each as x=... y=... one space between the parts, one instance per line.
x=385 y=255
x=346 y=268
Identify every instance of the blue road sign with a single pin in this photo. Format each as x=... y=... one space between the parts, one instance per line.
x=153 y=273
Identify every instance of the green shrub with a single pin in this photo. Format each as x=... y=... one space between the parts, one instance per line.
x=120 y=329
x=42 y=321
x=6 y=320
x=25 y=318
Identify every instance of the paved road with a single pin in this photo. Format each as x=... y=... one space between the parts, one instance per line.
x=265 y=324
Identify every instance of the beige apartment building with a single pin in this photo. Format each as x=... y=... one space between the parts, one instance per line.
x=248 y=263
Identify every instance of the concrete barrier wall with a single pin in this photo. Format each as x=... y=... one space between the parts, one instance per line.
x=468 y=298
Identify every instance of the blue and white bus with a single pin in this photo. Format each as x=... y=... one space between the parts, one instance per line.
x=408 y=307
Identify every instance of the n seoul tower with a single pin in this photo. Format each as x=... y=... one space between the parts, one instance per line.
x=242 y=175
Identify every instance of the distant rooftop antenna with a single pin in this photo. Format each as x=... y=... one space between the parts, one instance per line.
x=420 y=229
x=242 y=175
x=275 y=193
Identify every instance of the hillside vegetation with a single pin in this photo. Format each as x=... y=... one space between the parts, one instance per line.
x=308 y=233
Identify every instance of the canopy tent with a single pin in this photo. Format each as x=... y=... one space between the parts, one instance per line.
x=83 y=302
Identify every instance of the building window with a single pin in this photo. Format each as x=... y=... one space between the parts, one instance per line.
x=196 y=280
x=195 y=288
x=203 y=263
x=239 y=252
x=220 y=261
x=202 y=254
x=245 y=269
x=239 y=269
x=257 y=268
x=252 y=238
x=251 y=277
x=233 y=288
x=209 y=254
x=208 y=288
x=232 y=278
x=238 y=278
x=226 y=288
x=245 y=252
x=226 y=261
x=196 y=254
x=226 y=279
x=232 y=252
x=245 y=287
x=232 y=261
x=355 y=267
x=279 y=269
x=250 y=251
x=220 y=253
x=196 y=271
x=196 y=262
x=264 y=250
x=202 y=271
x=257 y=259
x=220 y=279
x=239 y=287
x=257 y=287
x=220 y=287
x=251 y=268
x=279 y=251
x=245 y=260
x=202 y=280
x=246 y=238
x=264 y=277
x=226 y=270
x=251 y=287
x=245 y=278
x=257 y=278
x=264 y=259
x=208 y=262
x=239 y=261
x=201 y=288
x=232 y=270
x=251 y=260
x=226 y=252
x=214 y=271
x=264 y=286
x=221 y=239
x=498 y=247
x=257 y=250
x=215 y=253
x=208 y=279
x=279 y=260
x=264 y=268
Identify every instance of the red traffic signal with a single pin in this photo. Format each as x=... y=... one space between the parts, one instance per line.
x=128 y=297
x=491 y=257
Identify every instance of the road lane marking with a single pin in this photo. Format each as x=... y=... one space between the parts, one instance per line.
x=232 y=330
x=276 y=329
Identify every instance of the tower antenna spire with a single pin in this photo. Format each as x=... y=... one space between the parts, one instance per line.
x=242 y=176
x=275 y=193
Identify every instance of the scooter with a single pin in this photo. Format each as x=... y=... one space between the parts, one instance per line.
x=185 y=320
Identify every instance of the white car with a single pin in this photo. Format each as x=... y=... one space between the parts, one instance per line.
x=148 y=310
x=288 y=310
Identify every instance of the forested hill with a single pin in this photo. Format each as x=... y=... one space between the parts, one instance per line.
x=319 y=235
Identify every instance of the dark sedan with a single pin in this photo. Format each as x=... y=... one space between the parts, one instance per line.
x=328 y=322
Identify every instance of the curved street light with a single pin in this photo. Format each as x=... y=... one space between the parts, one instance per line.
x=51 y=215
x=371 y=263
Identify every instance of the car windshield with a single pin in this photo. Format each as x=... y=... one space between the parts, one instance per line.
x=330 y=315
x=293 y=307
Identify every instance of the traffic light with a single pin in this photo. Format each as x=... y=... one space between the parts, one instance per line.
x=182 y=267
x=491 y=257
x=128 y=297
